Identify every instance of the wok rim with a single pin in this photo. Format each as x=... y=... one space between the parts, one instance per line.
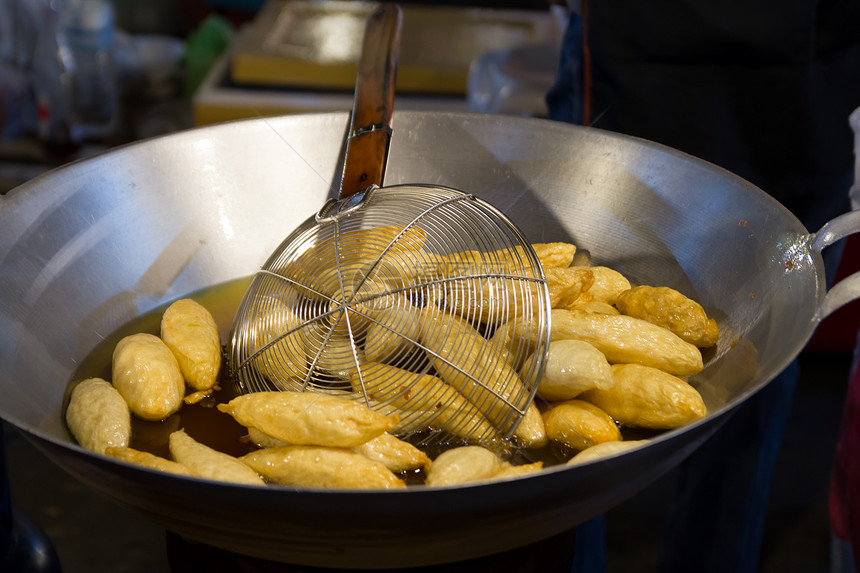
x=45 y=440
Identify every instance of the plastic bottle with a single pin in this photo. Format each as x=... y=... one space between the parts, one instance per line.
x=88 y=26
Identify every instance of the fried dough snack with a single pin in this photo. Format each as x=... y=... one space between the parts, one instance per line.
x=579 y=424
x=319 y=466
x=512 y=346
x=572 y=367
x=646 y=397
x=463 y=464
x=280 y=344
x=264 y=440
x=190 y=331
x=437 y=404
x=467 y=361
x=365 y=245
x=476 y=261
x=608 y=283
x=395 y=454
x=604 y=450
x=416 y=267
x=147 y=375
x=308 y=418
x=507 y=470
x=670 y=309
x=596 y=307
x=486 y=299
x=98 y=416
x=472 y=463
x=625 y=339
x=554 y=254
x=363 y=296
x=569 y=286
x=383 y=254
x=480 y=287
x=549 y=255
x=330 y=352
x=209 y=463
x=496 y=298
x=148 y=460
x=394 y=331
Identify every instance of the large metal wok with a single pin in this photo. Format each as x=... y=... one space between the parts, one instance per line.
x=86 y=248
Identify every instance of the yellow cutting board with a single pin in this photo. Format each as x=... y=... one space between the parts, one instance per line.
x=316 y=44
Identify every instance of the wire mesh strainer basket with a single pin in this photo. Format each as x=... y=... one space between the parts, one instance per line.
x=419 y=300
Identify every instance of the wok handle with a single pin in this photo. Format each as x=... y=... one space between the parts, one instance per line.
x=370 y=128
x=847 y=289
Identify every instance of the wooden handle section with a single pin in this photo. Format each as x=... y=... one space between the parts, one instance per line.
x=370 y=129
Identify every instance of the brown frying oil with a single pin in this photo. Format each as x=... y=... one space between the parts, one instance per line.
x=202 y=421
x=206 y=424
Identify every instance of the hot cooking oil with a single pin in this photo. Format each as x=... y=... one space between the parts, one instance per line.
x=206 y=424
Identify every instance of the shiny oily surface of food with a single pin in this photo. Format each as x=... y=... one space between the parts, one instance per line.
x=98 y=416
x=300 y=439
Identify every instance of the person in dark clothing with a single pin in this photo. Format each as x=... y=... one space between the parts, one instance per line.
x=844 y=493
x=763 y=89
